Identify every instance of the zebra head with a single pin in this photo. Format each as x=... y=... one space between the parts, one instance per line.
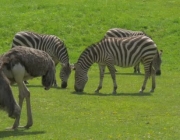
x=157 y=62
x=81 y=78
x=64 y=74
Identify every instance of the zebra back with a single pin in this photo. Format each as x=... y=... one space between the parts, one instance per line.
x=126 y=52
x=118 y=32
x=48 y=43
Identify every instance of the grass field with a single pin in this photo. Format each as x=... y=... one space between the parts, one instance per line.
x=62 y=114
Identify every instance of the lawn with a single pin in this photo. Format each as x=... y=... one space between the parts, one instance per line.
x=63 y=114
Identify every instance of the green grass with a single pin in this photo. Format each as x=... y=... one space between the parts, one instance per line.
x=66 y=115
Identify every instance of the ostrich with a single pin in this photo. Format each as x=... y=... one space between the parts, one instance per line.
x=23 y=63
x=7 y=101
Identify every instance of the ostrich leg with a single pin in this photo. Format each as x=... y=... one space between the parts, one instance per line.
x=19 y=73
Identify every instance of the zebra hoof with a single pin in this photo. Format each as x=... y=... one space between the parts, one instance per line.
x=26 y=82
x=96 y=91
x=152 y=90
x=140 y=91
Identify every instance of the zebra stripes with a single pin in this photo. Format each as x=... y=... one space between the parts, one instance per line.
x=118 y=32
x=124 y=52
x=50 y=44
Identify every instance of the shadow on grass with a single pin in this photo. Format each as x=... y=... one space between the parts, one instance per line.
x=29 y=85
x=130 y=74
x=110 y=94
x=7 y=133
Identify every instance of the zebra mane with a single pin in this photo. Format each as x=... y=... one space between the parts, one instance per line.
x=85 y=52
x=91 y=46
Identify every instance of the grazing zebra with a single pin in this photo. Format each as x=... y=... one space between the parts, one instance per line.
x=118 y=32
x=124 y=52
x=50 y=44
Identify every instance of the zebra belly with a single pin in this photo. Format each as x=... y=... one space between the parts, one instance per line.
x=126 y=65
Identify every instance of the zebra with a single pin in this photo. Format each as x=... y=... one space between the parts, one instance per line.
x=50 y=44
x=124 y=52
x=119 y=32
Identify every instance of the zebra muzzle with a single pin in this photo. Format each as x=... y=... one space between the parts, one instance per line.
x=46 y=88
x=78 y=90
x=158 y=72
x=64 y=85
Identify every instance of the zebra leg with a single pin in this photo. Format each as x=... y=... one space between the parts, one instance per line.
x=134 y=69
x=146 y=69
x=101 y=74
x=55 y=83
x=153 y=79
x=137 y=68
x=113 y=76
x=144 y=84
